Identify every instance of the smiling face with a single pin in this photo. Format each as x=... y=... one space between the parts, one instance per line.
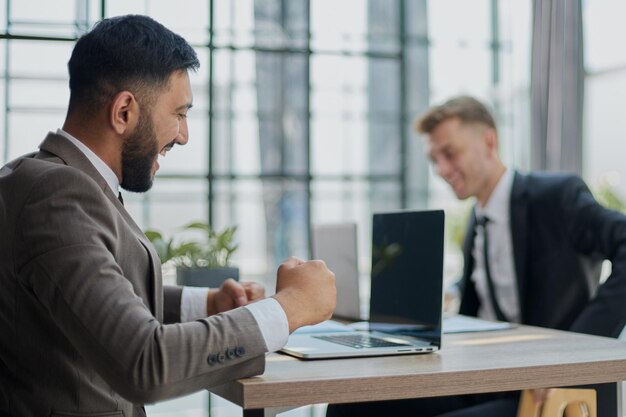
x=158 y=130
x=465 y=156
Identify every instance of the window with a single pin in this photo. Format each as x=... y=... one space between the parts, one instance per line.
x=605 y=89
x=303 y=109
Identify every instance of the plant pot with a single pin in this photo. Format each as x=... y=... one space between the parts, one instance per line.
x=205 y=277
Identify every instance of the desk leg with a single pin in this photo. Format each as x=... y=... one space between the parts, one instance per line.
x=259 y=412
x=621 y=398
x=267 y=412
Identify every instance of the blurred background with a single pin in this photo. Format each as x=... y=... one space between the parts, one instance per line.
x=303 y=110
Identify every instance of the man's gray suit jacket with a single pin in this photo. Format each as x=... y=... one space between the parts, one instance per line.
x=82 y=329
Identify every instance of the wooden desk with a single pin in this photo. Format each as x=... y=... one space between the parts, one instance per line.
x=525 y=357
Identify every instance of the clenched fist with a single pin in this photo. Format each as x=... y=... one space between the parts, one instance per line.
x=306 y=291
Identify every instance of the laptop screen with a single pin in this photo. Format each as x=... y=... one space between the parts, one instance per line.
x=407 y=273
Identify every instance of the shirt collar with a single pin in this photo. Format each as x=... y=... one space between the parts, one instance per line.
x=102 y=168
x=497 y=207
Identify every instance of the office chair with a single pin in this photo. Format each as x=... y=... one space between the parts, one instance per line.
x=563 y=402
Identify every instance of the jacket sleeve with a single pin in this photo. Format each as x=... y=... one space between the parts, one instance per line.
x=172 y=296
x=67 y=233
x=595 y=230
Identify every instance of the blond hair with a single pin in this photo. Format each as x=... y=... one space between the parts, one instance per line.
x=466 y=109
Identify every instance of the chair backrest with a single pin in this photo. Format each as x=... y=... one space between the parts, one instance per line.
x=563 y=402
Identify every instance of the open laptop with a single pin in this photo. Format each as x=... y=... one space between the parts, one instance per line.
x=336 y=244
x=406 y=293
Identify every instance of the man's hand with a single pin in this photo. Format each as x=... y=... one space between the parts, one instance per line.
x=306 y=291
x=233 y=294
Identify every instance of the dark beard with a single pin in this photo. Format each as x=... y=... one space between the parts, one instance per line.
x=138 y=153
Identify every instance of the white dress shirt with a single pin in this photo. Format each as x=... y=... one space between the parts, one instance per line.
x=501 y=261
x=268 y=312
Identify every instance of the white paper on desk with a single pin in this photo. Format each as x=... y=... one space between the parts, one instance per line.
x=465 y=324
x=451 y=324
x=328 y=326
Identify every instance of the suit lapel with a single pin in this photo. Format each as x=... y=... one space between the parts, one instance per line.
x=72 y=156
x=519 y=233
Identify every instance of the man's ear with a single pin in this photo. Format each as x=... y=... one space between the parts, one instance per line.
x=491 y=138
x=124 y=112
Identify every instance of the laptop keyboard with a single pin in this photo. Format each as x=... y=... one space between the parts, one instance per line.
x=359 y=341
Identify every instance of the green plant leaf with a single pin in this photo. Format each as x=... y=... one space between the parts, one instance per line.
x=213 y=251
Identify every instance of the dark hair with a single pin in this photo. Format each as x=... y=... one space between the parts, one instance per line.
x=133 y=53
x=465 y=108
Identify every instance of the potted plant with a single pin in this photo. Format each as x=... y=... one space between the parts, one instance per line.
x=199 y=263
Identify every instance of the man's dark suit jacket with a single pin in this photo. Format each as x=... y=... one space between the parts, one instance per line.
x=82 y=309
x=560 y=235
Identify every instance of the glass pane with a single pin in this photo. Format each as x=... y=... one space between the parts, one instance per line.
x=418 y=171
x=383 y=26
x=64 y=18
x=233 y=23
x=339 y=25
x=30 y=94
x=345 y=202
x=605 y=125
x=339 y=86
x=189 y=19
x=469 y=24
x=272 y=224
x=446 y=78
x=236 y=146
x=267 y=24
x=94 y=11
x=281 y=101
x=336 y=200
x=460 y=58
x=190 y=159
x=26 y=58
x=416 y=20
x=385 y=148
x=417 y=89
x=3 y=45
x=339 y=147
x=605 y=85
x=259 y=106
x=339 y=106
x=512 y=95
x=384 y=87
x=356 y=116
x=28 y=130
x=169 y=205
x=3 y=15
x=604 y=32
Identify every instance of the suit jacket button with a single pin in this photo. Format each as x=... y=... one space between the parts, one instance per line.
x=230 y=353
x=240 y=351
x=221 y=357
x=212 y=359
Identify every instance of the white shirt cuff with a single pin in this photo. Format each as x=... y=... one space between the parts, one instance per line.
x=193 y=303
x=272 y=321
